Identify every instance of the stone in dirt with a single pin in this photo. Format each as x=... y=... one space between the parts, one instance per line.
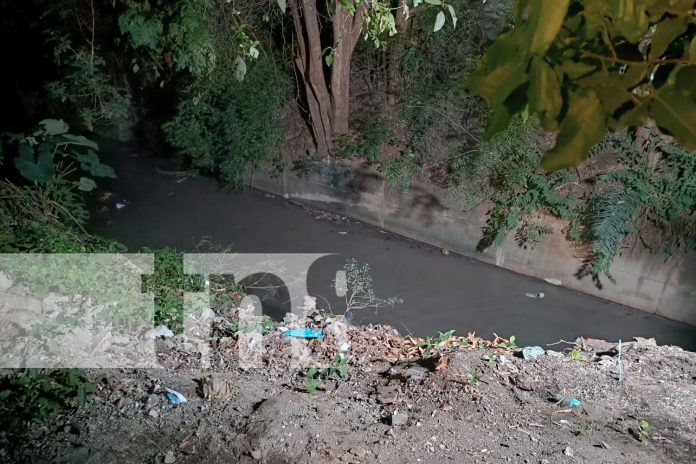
x=399 y=419
x=169 y=457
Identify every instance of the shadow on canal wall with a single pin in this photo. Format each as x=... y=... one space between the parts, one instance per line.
x=647 y=281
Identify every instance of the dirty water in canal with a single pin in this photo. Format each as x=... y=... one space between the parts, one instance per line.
x=153 y=206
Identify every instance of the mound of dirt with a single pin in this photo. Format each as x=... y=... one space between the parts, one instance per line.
x=365 y=394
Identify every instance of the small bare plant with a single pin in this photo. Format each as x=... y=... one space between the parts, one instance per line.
x=358 y=288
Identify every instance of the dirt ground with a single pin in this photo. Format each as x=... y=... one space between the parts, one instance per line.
x=456 y=399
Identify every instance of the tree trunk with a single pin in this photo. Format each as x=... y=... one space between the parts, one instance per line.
x=328 y=99
x=396 y=53
x=346 y=31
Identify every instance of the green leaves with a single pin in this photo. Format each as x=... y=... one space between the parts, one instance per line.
x=587 y=65
x=35 y=168
x=582 y=127
x=629 y=17
x=89 y=162
x=544 y=93
x=544 y=20
x=675 y=110
x=666 y=32
x=54 y=126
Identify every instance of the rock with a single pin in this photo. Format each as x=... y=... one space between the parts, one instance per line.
x=256 y=454
x=207 y=314
x=569 y=452
x=161 y=331
x=554 y=354
x=359 y=452
x=169 y=457
x=5 y=282
x=398 y=419
x=163 y=345
x=640 y=341
x=387 y=394
x=153 y=413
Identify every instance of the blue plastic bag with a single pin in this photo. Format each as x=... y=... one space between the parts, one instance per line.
x=305 y=333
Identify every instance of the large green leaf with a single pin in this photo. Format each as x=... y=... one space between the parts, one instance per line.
x=685 y=79
x=498 y=121
x=674 y=110
x=86 y=184
x=692 y=50
x=544 y=21
x=612 y=96
x=544 y=93
x=39 y=168
x=582 y=127
x=90 y=162
x=576 y=69
x=630 y=17
x=666 y=32
x=80 y=140
x=54 y=126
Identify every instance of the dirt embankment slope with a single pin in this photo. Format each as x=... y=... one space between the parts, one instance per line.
x=393 y=400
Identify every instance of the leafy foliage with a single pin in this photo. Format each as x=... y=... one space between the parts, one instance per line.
x=32 y=394
x=401 y=172
x=372 y=131
x=225 y=127
x=585 y=66
x=169 y=282
x=662 y=199
x=313 y=377
x=520 y=189
x=85 y=85
x=359 y=288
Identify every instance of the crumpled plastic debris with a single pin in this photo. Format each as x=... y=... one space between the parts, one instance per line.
x=304 y=333
x=568 y=402
x=175 y=397
x=530 y=353
x=539 y=295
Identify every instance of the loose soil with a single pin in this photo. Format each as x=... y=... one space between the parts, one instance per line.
x=398 y=403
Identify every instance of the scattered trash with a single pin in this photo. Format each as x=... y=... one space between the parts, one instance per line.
x=121 y=204
x=162 y=331
x=216 y=386
x=154 y=413
x=539 y=295
x=343 y=232
x=530 y=353
x=502 y=360
x=175 y=397
x=569 y=452
x=445 y=251
x=569 y=402
x=305 y=333
x=553 y=281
